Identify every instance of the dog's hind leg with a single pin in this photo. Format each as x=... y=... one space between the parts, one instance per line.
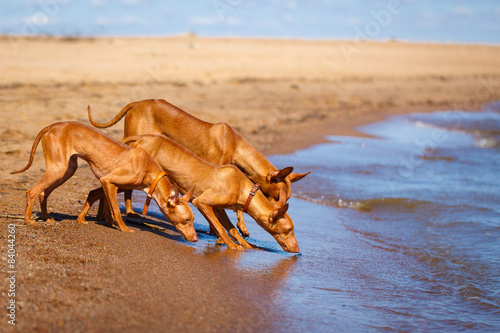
x=51 y=176
x=44 y=195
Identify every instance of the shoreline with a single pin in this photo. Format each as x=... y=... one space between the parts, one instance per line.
x=342 y=127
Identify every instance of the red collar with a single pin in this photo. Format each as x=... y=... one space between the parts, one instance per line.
x=254 y=190
x=151 y=190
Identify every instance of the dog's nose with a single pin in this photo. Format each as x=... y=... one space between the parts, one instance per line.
x=190 y=236
x=292 y=248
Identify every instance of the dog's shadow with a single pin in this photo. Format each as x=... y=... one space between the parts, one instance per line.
x=141 y=222
x=154 y=225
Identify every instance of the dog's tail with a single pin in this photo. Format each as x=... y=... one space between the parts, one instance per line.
x=113 y=121
x=33 y=150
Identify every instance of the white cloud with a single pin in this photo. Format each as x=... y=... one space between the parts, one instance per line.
x=40 y=19
x=290 y=4
x=233 y=21
x=289 y=19
x=100 y=21
x=463 y=10
x=353 y=21
x=104 y=21
x=131 y=20
x=214 y=20
x=97 y=3
x=204 y=20
x=133 y=2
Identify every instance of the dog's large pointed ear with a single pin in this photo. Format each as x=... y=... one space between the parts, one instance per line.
x=278 y=213
x=294 y=177
x=173 y=198
x=187 y=197
x=276 y=175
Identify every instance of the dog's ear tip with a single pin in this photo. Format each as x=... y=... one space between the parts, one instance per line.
x=278 y=212
x=298 y=176
x=187 y=197
x=283 y=209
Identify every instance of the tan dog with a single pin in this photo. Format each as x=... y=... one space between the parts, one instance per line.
x=216 y=143
x=218 y=187
x=115 y=164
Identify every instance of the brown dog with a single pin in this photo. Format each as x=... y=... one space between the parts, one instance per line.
x=218 y=187
x=216 y=143
x=115 y=164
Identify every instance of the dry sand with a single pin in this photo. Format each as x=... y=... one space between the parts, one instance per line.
x=282 y=95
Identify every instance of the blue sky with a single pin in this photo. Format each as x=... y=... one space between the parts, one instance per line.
x=464 y=21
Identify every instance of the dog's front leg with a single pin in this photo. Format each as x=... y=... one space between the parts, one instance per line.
x=103 y=214
x=100 y=211
x=226 y=222
x=111 y=191
x=94 y=195
x=128 y=204
x=208 y=213
x=241 y=224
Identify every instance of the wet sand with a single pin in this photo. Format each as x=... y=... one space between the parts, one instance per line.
x=281 y=95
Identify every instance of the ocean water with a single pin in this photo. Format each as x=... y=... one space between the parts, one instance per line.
x=397 y=232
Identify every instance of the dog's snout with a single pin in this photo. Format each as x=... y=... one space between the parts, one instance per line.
x=191 y=237
x=294 y=249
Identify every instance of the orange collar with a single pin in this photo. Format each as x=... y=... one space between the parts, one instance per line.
x=254 y=190
x=151 y=190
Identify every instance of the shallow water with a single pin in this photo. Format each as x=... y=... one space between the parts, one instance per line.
x=397 y=232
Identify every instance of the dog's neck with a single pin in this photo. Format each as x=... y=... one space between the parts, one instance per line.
x=257 y=167
x=259 y=209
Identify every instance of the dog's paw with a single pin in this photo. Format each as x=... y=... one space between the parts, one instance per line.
x=232 y=245
x=242 y=228
x=30 y=222
x=236 y=247
x=82 y=221
x=127 y=230
x=244 y=232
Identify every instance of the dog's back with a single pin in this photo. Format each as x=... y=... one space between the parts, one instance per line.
x=216 y=143
x=185 y=168
x=63 y=140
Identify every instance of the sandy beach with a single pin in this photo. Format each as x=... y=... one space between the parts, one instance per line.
x=282 y=95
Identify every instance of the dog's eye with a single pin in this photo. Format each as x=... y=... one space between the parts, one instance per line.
x=187 y=220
